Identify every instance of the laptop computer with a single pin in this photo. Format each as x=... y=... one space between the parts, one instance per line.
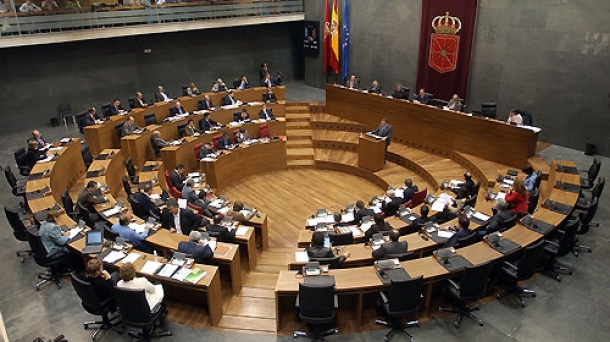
x=161 y=201
x=94 y=241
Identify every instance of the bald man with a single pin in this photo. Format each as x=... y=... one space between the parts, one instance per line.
x=42 y=144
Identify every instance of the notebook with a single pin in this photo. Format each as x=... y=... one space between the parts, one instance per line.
x=94 y=241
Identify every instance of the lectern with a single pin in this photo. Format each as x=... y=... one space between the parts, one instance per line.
x=371 y=153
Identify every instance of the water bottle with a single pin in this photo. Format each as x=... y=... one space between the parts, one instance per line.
x=156 y=256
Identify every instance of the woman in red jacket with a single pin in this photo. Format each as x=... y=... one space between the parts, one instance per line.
x=517 y=198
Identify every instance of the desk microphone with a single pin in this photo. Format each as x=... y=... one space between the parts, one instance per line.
x=423 y=235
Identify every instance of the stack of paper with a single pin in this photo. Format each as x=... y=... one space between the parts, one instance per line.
x=301 y=257
x=480 y=216
x=181 y=274
x=349 y=217
x=138 y=228
x=151 y=267
x=132 y=257
x=74 y=232
x=356 y=231
x=241 y=231
x=445 y=234
x=114 y=256
x=110 y=212
x=167 y=270
x=195 y=275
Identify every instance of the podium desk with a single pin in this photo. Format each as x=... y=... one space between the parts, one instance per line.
x=243 y=162
x=371 y=153
x=100 y=137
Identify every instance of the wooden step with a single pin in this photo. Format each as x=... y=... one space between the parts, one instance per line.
x=299 y=143
x=256 y=292
x=297 y=163
x=299 y=153
x=297 y=125
x=298 y=116
x=247 y=323
x=274 y=269
x=252 y=307
x=261 y=280
x=298 y=133
x=296 y=109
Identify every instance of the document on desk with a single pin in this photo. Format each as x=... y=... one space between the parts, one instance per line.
x=241 y=231
x=155 y=196
x=349 y=217
x=366 y=226
x=439 y=204
x=65 y=140
x=182 y=203
x=445 y=233
x=400 y=192
x=46 y=159
x=181 y=274
x=74 y=232
x=224 y=210
x=501 y=194
x=110 y=212
x=195 y=275
x=132 y=257
x=55 y=149
x=212 y=244
x=167 y=270
x=480 y=216
x=216 y=203
x=311 y=222
x=301 y=257
x=151 y=267
x=356 y=231
x=138 y=228
x=114 y=256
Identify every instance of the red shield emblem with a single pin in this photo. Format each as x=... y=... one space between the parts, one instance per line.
x=443 y=52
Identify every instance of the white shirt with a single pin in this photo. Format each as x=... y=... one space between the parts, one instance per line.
x=517 y=119
x=177 y=223
x=165 y=98
x=154 y=293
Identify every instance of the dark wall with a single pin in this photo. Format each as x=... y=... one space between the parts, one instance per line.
x=36 y=79
x=548 y=57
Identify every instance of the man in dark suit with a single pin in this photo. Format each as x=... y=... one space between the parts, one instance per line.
x=422 y=97
x=161 y=95
x=206 y=103
x=224 y=142
x=147 y=204
x=468 y=184
x=87 y=197
x=177 y=177
x=157 y=142
x=42 y=144
x=207 y=124
x=392 y=247
x=177 y=109
x=409 y=190
x=198 y=248
x=229 y=99
x=375 y=88
x=269 y=96
x=193 y=198
x=178 y=220
x=462 y=232
x=206 y=150
x=390 y=208
x=496 y=223
x=400 y=92
x=222 y=233
x=139 y=101
x=352 y=82
x=91 y=118
x=380 y=226
x=265 y=113
x=385 y=131
x=419 y=222
x=361 y=211
x=129 y=127
x=317 y=249
x=243 y=82
x=242 y=116
x=115 y=108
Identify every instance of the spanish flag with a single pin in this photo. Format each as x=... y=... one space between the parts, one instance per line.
x=327 y=38
x=334 y=55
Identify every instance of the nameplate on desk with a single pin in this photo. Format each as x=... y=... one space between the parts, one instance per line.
x=566 y=169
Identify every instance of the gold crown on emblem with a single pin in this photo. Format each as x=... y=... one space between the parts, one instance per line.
x=444 y=24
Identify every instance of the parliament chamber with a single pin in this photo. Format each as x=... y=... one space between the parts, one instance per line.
x=311 y=162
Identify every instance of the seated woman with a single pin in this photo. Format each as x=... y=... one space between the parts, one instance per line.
x=460 y=200
x=242 y=136
x=455 y=103
x=33 y=154
x=517 y=198
x=317 y=249
x=154 y=293
x=101 y=281
x=235 y=212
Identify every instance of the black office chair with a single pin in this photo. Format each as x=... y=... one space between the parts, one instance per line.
x=588 y=181
x=471 y=287
x=533 y=201
x=402 y=301
x=150 y=119
x=181 y=128
x=557 y=246
x=119 y=130
x=528 y=119
x=87 y=157
x=94 y=306
x=68 y=204
x=64 y=111
x=184 y=90
x=20 y=159
x=586 y=221
x=19 y=230
x=472 y=201
x=236 y=116
x=79 y=120
x=586 y=197
x=316 y=304
x=135 y=206
x=137 y=314
x=131 y=171
x=488 y=109
x=340 y=239
x=127 y=186
x=105 y=108
x=510 y=222
x=109 y=234
x=538 y=180
x=401 y=256
x=510 y=273
x=90 y=218
x=467 y=240
x=132 y=102
x=334 y=262
x=54 y=264
x=17 y=187
x=476 y=188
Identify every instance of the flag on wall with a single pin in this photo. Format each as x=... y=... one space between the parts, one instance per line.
x=445 y=47
x=345 y=42
x=334 y=56
x=327 y=37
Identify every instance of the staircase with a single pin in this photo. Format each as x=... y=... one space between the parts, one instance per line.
x=300 y=151
x=253 y=308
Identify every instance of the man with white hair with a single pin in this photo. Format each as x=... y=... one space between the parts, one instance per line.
x=219 y=86
x=501 y=215
x=197 y=247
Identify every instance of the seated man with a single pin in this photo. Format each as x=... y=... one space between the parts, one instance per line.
x=189 y=194
x=317 y=249
x=147 y=204
x=101 y=281
x=501 y=214
x=375 y=88
x=42 y=143
x=207 y=150
x=130 y=127
x=392 y=247
x=243 y=82
x=177 y=109
x=352 y=82
x=269 y=96
x=468 y=184
x=222 y=233
x=190 y=130
x=266 y=114
x=422 y=97
x=87 y=197
x=206 y=103
x=130 y=235
x=161 y=95
x=361 y=211
x=462 y=232
x=219 y=85
x=157 y=142
x=198 y=248
x=390 y=208
x=242 y=136
x=91 y=118
x=229 y=99
x=380 y=226
x=181 y=221
x=177 y=177
x=409 y=190
x=207 y=124
x=224 y=142
x=400 y=92
x=235 y=212
x=243 y=116
x=419 y=222
x=115 y=108
x=139 y=101
x=530 y=178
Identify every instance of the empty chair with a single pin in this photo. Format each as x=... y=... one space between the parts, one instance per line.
x=150 y=119
x=175 y=192
x=119 y=130
x=137 y=314
x=181 y=128
x=476 y=188
x=538 y=180
x=339 y=239
x=488 y=109
x=135 y=205
x=87 y=157
x=215 y=140
x=68 y=204
x=17 y=188
x=316 y=304
x=185 y=90
x=418 y=198
x=131 y=171
x=558 y=245
x=132 y=102
x=105 y=108
x=41 y=257
x=585 y=200
x=19 y=230
x=264 y=131
x=471 y=287
x=94 y=306
x=510 y=273
x=168 y=179
x=20 y=159
x=84 y=213
x=586 y=220
x=588 y=181
x=401 y=301
x=79 y=120
x=64 y=111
